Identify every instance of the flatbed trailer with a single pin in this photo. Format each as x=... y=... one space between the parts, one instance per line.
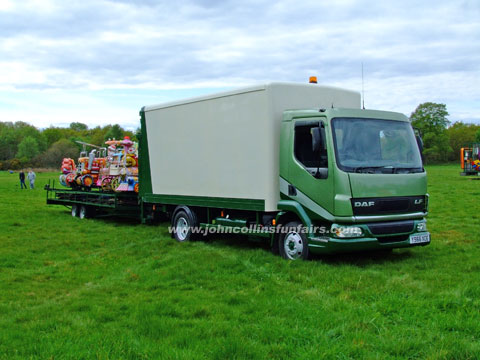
x=94 y=203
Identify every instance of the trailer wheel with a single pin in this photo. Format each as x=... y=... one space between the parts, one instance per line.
x=74 y=210
x=182 y=226
x=293 y=244
x=83 y=212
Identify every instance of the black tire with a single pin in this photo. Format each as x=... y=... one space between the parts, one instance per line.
x=182 y=224
x=83 y=212
x=292 y=242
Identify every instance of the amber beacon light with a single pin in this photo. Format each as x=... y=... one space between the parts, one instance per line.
x=312 y=80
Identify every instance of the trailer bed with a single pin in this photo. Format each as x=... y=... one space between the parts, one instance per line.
x=99 y=202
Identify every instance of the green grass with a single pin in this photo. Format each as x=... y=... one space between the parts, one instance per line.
x=110 y=289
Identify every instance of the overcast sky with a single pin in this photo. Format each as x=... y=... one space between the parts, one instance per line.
x=98 y=62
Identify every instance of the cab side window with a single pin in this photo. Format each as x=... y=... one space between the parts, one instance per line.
x=303 y=148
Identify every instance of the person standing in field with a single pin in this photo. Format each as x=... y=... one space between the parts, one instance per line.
x=31 y=178
x=22 y=179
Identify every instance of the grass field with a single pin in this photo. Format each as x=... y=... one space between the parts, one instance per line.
x=110 y=289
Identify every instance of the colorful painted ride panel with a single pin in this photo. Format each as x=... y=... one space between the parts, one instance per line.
x=116 y=171
x=470 y=159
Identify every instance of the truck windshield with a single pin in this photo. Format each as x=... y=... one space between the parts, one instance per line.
x=376 y=146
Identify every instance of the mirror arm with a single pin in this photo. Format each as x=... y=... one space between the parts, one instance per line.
x=323 y=141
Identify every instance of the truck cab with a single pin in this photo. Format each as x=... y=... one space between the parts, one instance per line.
x=354 y=177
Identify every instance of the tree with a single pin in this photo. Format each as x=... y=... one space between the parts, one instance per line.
x=53 y=134
x=28 y=148
x=461 y=135
x=97 y=135
x=78 y=126
x=431 y=119
x=23 y=130
x=436 y=147
x=63 y=148
x=8 y=141
x=477 y=135
x=115 y=132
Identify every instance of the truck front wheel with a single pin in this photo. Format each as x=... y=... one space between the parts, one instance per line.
x=293 y=244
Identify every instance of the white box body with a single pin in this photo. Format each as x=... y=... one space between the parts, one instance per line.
x=226 y=145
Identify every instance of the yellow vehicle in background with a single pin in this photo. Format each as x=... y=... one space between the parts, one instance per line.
x=470 y=160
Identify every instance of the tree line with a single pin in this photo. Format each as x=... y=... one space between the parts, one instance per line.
x=442 y=140
x=23 y=145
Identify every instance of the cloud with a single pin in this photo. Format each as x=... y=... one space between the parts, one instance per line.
x=412 y=51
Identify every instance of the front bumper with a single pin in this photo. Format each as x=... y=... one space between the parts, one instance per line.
x=330 y=244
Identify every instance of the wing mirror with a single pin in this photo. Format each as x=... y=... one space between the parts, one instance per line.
x=318 y=142
x=418 y=137
x=316 y=139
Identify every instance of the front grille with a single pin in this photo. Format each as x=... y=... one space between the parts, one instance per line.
x=389 y=205
x=393 y=205
x=388 y=228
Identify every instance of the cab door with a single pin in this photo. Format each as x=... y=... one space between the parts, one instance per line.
x=310 y=178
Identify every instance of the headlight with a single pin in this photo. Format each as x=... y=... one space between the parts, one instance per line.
x=422 y=226
x=346 y=231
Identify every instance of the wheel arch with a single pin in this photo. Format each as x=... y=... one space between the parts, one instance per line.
x=188 y=210
x=290 y=211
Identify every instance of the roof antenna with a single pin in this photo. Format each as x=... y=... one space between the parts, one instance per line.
x=363 y=91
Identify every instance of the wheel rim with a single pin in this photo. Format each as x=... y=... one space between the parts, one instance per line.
x=293 y=245
x=106 y=184
x=182 y=228
x=82 y=213
x=87 y=181
x=74 y=210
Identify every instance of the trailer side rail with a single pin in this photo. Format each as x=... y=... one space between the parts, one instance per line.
x=114 y=203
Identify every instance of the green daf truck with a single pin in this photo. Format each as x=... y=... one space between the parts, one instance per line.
x=302 y=166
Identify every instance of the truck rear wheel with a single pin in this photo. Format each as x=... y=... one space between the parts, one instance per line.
x=183 y=222
x=293 y=244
